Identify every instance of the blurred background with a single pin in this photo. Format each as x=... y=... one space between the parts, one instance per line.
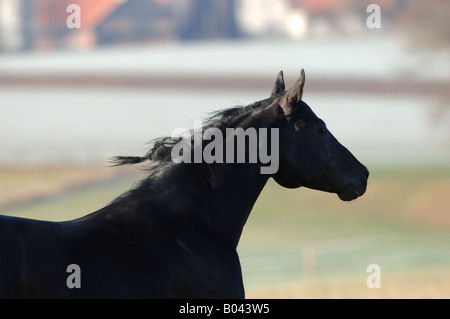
x=80 y=86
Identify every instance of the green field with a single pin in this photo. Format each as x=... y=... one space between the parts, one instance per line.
x=303 y=243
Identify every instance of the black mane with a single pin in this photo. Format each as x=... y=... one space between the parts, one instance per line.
x=160 y=152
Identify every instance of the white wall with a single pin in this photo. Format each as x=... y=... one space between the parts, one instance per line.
x=10 y=25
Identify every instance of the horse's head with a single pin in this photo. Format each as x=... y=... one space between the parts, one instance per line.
x=309 y=155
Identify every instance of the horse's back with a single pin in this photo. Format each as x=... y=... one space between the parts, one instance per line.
x=34 y=256
x=16 y=235
x=10 y=253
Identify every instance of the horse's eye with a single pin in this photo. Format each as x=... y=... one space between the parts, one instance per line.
x=322 y=130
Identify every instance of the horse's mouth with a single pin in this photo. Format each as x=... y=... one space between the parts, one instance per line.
x=349 y=193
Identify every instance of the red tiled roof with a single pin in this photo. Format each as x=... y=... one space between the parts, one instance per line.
x=95 y=12
x=53 y=13
x=317 y=6
x=327 y=6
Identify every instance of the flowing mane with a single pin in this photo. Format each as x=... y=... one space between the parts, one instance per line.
x=163 y=171
x=160 y=151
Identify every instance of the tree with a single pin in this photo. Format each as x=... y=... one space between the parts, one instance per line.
x=427 y=27
x=427 y=24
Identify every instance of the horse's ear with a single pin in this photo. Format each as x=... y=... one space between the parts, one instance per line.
x=279 y=84
x=293 y=95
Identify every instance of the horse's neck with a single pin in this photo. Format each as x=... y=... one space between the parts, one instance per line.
x=235 y=195
x=215 y=198
x=219 y=197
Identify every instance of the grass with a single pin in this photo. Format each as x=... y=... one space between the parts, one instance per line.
x=320 y=246
x=429 y=283
x=303 y=243
x=60 y=193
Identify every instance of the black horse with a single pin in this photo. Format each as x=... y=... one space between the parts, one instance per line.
x=175 y=234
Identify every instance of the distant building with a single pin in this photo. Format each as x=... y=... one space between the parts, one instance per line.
x=137 y=21
x=106 y=22
x=300 y=18
x=205 y=19
x=342 y=16
x=42 y=24
x=11 y=28
x=50 y=19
